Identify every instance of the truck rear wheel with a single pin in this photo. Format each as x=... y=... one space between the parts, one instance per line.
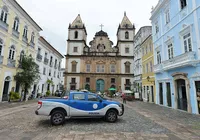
x=57 y=117
x=111 y=116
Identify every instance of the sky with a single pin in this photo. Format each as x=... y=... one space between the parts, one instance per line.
x=54 y=17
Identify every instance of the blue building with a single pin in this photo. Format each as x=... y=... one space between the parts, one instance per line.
x=176 y=39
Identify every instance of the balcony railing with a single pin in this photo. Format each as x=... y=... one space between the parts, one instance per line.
x=39 y=57
x=11 y=63
x=25 y=39
x=15 y=33
x=73 y=83
x=46 y=61
x=186 y=59
x=4 y=26
x=1 y=59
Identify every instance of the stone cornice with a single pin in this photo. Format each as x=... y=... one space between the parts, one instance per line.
x=111 y=74
x=80 y=56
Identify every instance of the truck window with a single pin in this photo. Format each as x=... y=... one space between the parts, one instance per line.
x=79 y=96
x=92 y=98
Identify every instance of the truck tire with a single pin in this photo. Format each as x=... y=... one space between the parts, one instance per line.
x=111 y=116
x=57 y=117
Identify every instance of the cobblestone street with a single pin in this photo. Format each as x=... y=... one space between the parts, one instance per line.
x=140 y=121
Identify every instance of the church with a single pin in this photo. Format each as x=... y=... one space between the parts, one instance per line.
x=99 y=65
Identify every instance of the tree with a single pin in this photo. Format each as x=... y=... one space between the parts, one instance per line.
x=28 y=73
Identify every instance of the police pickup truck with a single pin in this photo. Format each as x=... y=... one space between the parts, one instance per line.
x=79 y=104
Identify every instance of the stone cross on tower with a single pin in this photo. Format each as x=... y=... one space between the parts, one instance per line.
x=101 y=26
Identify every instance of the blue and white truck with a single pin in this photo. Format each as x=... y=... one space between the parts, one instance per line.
x=79 y=105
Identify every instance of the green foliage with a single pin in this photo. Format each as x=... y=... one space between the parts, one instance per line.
x=48 y=93
x=50 y=82
x=14 y=95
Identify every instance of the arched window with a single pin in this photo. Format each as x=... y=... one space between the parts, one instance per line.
x=32 y=37
x=12 y=52
x=74 y=64
x=4 y=14
x=21 y=55
x=16 y=24
x=127 y=67
x=1 y=46
x=25 y=32
x=126 y=35
x=76 y=34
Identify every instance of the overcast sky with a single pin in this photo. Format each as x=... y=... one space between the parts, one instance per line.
x=54 y=16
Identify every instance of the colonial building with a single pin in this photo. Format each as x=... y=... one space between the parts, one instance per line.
x=176 y=38
x=140 y=36
x=49 y=61
x=101 y=65
x=19 y=35
x=148 y=78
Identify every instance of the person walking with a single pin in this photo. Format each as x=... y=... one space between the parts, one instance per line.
x=124 y=98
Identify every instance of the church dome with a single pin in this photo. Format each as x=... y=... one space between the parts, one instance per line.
x=101 y=33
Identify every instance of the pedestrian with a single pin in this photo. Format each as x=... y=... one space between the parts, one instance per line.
x=124 y=98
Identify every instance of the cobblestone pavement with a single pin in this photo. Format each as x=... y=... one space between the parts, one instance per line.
x=142 y=121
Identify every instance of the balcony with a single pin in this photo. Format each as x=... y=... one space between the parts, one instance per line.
x=4 y=26
x=1 y=59
x=25 y=39
x=11 y=63
x=183 y=60
x=39 y=57
x=32 y=44
x=73 y=83
x=46 y=61
x=15 y=33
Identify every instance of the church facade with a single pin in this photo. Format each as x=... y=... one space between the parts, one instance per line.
x=99 y=65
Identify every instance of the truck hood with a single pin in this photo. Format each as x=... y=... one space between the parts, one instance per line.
x=112 y=102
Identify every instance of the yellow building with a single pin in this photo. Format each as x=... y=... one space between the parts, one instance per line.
x=19 y=35
x=148 y=78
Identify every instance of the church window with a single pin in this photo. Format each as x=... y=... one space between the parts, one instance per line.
x=12 y=52
x=74 y=64
x=126 y=35
x=113 y=80
x=127 y=67
x=88 y=68
x=183 y=3
x=16 y=24
x=76 y=34
x=112 y=69
x=4 y=14
x=100 y=68
x=126 y=50
x=75 y=49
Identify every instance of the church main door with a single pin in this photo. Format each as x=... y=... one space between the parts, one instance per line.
x=100 y=85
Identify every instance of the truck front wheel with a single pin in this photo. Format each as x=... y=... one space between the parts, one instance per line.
x=111 y=116
x=57 y=117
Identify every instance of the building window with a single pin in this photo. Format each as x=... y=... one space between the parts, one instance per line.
x=170 y=51
x=157 y=27
x=73 y=80
x=151 y=67
x=87 y=80
x=49 y=72
x=55 y=63
x=126 y=35
x=25 y=32
x=167 y=17
x=12 y=52
x=112 y=69
x=143 y=68
x=44 y=71
x=88 y=68
x=113 y=80
x=21 y=56
x=74 y=63
x=76 y=34
x=100 y=68
x=126 y=50
x=127 y=81
x=187 y=42
x=146 y=48
x=183 y=3
x=45 y=54
x=158 y=57
x=4 y=14
x=16 y=24
x=150 y=47
x=75 y=49
x=127 y=67
x=1 y=46
x=32 y=37
x=54 y=74
x=147 y=68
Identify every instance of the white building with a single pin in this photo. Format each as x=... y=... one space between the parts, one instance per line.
x=140 y=36
x=49 y=61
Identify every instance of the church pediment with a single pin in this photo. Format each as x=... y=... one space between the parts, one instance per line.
x=100 y=62
x=88 y=62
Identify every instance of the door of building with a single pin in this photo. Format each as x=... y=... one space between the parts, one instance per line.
x=152 y=94
x=182 y=96
x=161 y=93
x=100 y=85
x=197 y=84
x=5 y=91
x=168 y=95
